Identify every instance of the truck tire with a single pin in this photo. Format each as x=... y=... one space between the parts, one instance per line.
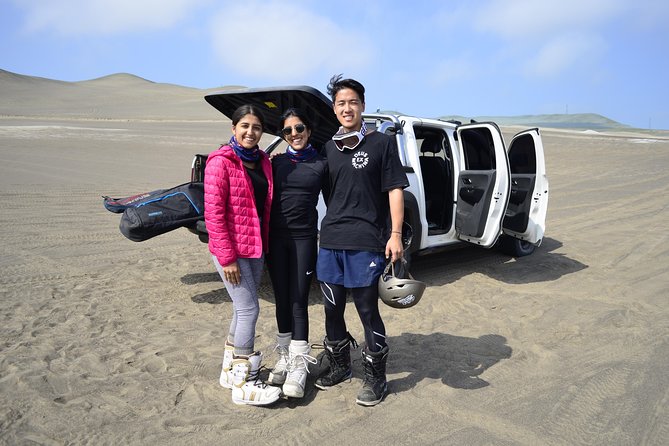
x=514 y=247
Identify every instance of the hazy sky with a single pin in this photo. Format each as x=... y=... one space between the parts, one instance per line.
x=427 y=58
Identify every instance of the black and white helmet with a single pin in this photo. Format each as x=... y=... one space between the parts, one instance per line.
x=398 y=288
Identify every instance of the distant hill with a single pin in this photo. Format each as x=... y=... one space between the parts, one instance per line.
x=126 y=96
x=117 y=96
x=584 y=121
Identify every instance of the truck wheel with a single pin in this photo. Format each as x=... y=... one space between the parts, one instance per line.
x=514 y=247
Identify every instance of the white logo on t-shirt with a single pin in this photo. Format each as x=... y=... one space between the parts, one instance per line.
x=360 y=160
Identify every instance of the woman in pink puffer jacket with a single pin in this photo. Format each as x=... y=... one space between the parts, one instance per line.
x=237 y=201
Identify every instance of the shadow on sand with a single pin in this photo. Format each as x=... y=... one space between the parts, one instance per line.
x=544 y=265
x=457 y=361
x=438 y=268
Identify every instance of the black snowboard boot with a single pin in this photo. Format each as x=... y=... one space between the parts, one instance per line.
x=375 y=387
x=338 y=354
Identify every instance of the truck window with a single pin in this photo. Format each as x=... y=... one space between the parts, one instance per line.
x=522 y=157
x=478 y=149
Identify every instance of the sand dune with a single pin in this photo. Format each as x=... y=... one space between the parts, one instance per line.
x=119 y=96
x=106 y=341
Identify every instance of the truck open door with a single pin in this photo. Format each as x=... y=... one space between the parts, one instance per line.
x=525 y=217
x=483 y=184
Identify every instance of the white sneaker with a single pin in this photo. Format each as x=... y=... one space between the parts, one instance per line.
x=247 y=388
x=226 y=368
x=278 y=374
x=298 y=369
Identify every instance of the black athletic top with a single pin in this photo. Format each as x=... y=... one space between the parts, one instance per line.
x=296 y=190
x=358 y=215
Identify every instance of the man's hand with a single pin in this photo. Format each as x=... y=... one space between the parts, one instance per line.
x=394 y=248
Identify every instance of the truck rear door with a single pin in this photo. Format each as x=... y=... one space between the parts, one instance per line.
x=483 y=184
x=525 y=217
x=273 y=101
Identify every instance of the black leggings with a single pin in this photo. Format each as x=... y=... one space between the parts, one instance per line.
x=291 y=264
x=366 y=301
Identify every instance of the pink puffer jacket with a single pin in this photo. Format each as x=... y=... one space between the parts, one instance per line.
x=229 y=207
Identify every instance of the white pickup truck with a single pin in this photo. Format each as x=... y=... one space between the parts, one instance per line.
x=466 y=184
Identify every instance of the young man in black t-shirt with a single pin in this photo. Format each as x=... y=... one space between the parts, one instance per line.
x=361 y=229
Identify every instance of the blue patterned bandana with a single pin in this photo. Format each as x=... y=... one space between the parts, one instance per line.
x=251 y=155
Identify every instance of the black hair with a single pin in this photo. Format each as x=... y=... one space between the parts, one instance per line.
x=298 y=113
x=337 y=83
x=248 y=109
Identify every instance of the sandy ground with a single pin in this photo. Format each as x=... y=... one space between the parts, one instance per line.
x=107 y=341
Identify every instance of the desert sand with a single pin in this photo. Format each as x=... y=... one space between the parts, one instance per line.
x=108 y=341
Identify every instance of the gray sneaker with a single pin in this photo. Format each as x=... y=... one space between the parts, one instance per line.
x=277 y=376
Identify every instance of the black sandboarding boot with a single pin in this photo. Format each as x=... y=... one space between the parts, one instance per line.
x=338 y=354
x=375 y=386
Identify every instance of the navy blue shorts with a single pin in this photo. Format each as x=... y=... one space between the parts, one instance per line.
x=352 y=269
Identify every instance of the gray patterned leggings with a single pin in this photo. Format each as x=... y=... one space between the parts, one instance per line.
x=245 y=305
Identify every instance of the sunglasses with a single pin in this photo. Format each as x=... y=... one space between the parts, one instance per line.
x=299 y=128
x=348 y=140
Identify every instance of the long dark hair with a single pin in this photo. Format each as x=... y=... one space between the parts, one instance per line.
x=248 y=109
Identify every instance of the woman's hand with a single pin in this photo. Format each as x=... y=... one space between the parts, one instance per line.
x=232 y=274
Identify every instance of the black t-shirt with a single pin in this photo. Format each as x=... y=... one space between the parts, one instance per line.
x=260 y=188
x=296 y=190
x=358 y=216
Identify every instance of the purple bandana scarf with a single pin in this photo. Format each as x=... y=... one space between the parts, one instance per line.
x=298 y=156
